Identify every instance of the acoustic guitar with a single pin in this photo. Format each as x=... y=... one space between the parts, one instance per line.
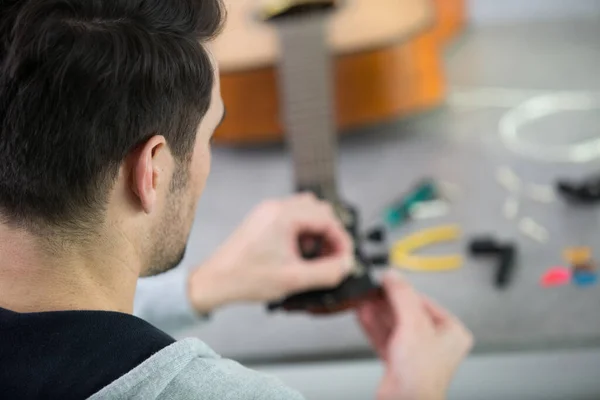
x=386 y=63
x=307 y=104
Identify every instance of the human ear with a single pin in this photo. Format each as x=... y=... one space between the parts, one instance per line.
x=148 y=172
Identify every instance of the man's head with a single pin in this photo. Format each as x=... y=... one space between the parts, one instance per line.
x=106 y=112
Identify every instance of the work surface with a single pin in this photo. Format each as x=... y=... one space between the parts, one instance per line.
x=492 y=70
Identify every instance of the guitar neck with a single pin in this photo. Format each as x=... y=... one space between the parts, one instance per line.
x=305 y=83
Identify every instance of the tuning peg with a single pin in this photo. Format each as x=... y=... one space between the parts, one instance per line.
x=376 y=235
x=274 y=306
x=380 y=260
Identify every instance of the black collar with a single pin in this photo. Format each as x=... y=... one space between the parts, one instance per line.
x=71 y=354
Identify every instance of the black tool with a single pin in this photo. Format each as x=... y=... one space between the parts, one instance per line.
x=505 y=253
x=504 y=273
x=484 y=246
x=586 y=191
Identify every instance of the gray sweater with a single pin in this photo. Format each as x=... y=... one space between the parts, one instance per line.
x=189 y=369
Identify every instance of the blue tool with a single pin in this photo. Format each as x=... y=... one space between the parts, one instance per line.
x=399 y=212
x=585 y=278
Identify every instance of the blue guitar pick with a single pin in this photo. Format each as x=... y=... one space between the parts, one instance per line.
x=585 y=278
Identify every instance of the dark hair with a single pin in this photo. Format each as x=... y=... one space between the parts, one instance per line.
x=82 y=84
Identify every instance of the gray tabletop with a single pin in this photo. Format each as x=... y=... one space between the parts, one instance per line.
x=492 y=70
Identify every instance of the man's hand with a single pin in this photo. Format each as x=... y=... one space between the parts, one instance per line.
x=421 y=344
x=262 y=262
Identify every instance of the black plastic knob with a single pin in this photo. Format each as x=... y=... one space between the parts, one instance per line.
x=380 y=260
x=376 y=235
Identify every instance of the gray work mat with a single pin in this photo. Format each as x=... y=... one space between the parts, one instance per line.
x=458 y=143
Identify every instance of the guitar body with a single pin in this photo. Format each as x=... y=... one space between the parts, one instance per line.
x=392 y=68
x=451 y=19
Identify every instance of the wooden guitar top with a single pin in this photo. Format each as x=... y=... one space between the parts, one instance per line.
x=247 y=42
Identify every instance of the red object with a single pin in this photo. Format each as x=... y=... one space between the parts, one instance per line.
x=557 y=276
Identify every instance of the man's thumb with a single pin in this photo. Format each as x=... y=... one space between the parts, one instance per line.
x=325 y=273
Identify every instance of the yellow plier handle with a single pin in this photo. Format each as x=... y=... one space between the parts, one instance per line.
x=402 y=257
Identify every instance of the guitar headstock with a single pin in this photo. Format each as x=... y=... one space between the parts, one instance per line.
x=277 y=9
x=356 y=288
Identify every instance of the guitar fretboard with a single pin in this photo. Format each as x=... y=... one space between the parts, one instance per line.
x=306 y=93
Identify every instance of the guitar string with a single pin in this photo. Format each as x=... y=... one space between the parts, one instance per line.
x=312 y=144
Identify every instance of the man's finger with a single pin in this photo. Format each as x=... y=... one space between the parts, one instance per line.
x=340 y=241
x=309 y=211
x=407 y=305
x=439 y=315
x=324 y=273
x=319 y=220
x=375 y=328
x=303 y=197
